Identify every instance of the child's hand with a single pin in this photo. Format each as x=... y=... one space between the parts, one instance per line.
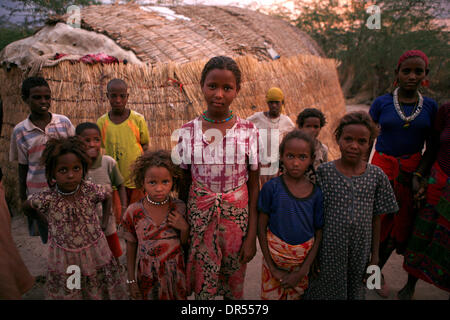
x=315 y=269
x=292 y=279
x=278 y=274
x=177 y=221
x=28 y=209
x=248 y=251
x=373 y=262
x=135 y=292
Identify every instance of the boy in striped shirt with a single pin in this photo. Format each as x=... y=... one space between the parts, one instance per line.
x=28 y=141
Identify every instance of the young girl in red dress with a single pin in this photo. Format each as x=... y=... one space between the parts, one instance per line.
x=156 y=228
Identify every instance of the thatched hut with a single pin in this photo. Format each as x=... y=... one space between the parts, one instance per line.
x=166 y=50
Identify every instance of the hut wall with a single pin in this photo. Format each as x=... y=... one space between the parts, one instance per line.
x=169 y=95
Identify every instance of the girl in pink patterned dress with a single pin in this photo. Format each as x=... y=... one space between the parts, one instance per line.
x=219 y=152
x=155 y=227
x=80 y=263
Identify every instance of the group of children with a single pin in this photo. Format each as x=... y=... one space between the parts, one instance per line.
x=320 y=222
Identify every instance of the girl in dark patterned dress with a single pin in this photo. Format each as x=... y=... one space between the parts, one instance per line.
x=76 y=239
x=355 y=195
x=156 y=230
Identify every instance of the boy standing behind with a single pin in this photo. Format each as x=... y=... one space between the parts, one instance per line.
x=28 y=141
x=124 y=134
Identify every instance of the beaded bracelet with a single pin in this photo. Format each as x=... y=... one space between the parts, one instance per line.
x=131 y=281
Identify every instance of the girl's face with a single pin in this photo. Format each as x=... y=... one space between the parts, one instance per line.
x=219 y=89
x=354 y=142
x=39 y=100
x=296 y=157
x=68 y=172
x=93 y=141
x=157 y=183
x=411 y=73
x=311 y=125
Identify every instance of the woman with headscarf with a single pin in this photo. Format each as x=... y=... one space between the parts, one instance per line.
x=406 y=119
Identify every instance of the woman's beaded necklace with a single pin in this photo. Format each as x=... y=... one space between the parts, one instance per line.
x=67 y=193
x=416 y=111
x=217 y=121
x=157 y=203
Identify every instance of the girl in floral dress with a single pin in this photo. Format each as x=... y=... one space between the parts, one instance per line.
x=76 y=239
x=155 y=228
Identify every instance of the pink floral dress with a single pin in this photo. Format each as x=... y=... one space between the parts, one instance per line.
x=161 y=270
x=76 y=239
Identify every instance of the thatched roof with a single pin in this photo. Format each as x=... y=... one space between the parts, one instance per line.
x=195 y=33
x=210 y=31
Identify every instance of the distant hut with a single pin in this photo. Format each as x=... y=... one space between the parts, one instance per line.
x=166 y=49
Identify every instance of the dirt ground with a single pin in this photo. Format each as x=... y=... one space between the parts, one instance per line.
x=34 y=254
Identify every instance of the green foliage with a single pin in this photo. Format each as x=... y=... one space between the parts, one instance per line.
x=368 y=57
x=11 y=34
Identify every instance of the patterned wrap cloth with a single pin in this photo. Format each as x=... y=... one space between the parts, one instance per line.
x=428 y=254
x=218 y=224
x=287 y=257
x=398 y=226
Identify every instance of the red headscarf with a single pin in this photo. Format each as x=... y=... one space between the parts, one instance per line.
x=413 y=53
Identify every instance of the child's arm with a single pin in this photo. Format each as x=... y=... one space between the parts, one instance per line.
x=133 y=288
x=292 y=279
x=376 y=227
x=185 y=185
x=144 y=147
x=106 y=206
x=263 y=220
x=30 y=210
x=23 y=171
x=123 y=198
x=248 y=249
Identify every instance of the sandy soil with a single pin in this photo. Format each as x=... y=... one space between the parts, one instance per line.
x=34 y=254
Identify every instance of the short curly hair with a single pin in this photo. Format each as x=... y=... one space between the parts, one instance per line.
x=30 y=83
x=55 y=148
x=224 y=63
x=357 y=117
x=311 y=113
x=160 y=158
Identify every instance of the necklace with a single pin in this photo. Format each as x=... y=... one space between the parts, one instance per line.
x=417 y=109
x=157 y=203
x=67 y=193
x=217 y=121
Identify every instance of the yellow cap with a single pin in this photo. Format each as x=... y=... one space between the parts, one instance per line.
x=274 y=94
